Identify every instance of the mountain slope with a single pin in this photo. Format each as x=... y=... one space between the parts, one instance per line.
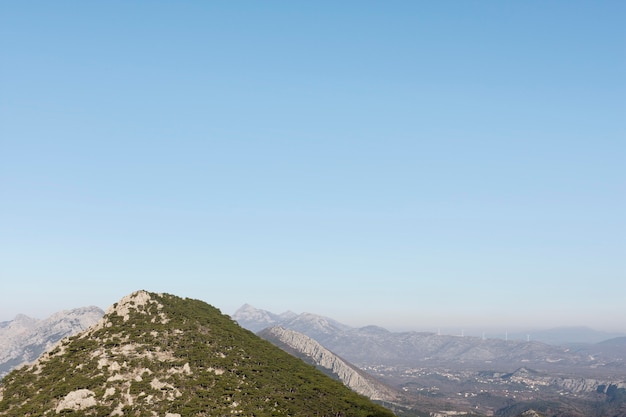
x=303 y=346
x=23 y=339
x=157 y=354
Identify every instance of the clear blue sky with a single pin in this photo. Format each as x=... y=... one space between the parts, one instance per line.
x=408 y=164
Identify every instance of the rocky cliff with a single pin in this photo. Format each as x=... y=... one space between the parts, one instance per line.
x=301 y=345
x=531 y=377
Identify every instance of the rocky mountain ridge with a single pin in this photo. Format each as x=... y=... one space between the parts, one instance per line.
x=24 y=339
x=160 y=355
x=303 y=346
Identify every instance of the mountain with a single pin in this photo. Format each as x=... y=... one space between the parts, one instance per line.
x=311 y=351
x=312 y=325
x=255 y=319
x=373 y=345
x=566 y=335
x=612 y=351
x=24 y=338
x=161 y=355
x=615 y=342
x=411 y=348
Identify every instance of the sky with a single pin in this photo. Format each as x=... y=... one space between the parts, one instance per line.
x=407 y=164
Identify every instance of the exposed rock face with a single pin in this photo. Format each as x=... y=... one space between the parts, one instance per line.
x=77 y=400
x=532 y=378
x=574 y=385
x=578 y=385
x=349 y=374
x=23 y=339
x=531 y=413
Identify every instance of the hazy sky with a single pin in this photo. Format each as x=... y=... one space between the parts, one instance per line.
x=408 y=164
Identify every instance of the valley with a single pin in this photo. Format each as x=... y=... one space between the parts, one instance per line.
x=453 y=374
x=492 y=392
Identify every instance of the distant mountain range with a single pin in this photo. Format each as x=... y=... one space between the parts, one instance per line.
x=24 y=338
x=255 y=319
x=567 y=335
x=376 y=345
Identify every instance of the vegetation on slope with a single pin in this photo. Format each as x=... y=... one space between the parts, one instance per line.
x=173 y=355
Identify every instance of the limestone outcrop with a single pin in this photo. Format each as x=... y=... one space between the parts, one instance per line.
x=350 y=375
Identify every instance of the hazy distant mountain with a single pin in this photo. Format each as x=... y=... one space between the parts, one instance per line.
x=376 y=345
x=615 y=342
x=312 y=325
x=255 y=319
x=412 y=348
x=161 y=355
x=24 y=338
x=566 y=335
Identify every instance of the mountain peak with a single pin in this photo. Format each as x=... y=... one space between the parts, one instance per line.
x=255 y=319
x=288 y=315
x=158 y=354
x=23 y=317
x=246 y=307
x=137 y=301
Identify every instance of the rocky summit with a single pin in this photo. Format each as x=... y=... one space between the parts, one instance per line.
x=161 y=355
